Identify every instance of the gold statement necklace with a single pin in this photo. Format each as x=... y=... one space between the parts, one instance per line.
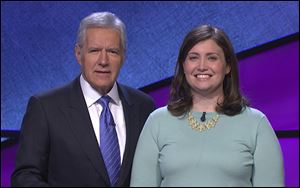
x=202 y=126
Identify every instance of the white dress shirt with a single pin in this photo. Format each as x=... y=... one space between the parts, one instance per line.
x=91 y=97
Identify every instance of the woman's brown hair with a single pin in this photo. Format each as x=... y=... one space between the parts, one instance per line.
x=181 y=99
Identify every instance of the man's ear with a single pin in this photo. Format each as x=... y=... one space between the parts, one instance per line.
x=78 y=54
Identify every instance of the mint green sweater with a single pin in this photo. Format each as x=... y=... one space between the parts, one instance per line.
x=241 y=150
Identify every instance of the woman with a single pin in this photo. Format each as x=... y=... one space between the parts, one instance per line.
x=207 y=135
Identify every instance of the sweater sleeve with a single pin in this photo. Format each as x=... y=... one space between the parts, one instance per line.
x=145 y=169
x=268 y=163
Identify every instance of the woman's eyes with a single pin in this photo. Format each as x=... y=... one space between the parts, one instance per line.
x=210 y=58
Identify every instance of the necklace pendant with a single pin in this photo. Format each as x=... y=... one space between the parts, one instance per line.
x=202 y=126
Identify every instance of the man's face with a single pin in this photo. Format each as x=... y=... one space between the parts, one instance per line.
x=100 y=58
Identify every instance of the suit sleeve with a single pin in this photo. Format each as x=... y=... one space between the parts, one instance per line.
x=32 y=156
x=268 y=163
x=148 y=108
x=145 y=169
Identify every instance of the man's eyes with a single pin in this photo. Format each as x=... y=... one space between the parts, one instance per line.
x=112 y=51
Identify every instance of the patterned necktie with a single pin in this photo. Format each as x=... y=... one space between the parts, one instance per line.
x=109 y=145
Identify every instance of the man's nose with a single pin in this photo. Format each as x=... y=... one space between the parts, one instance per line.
x=103 y=57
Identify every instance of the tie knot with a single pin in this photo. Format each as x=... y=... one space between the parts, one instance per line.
x=104 y=100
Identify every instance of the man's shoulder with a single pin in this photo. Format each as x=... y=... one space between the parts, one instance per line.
x=58 y=92
x=133 y=92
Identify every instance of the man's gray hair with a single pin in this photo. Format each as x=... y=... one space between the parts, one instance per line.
x=101 y=19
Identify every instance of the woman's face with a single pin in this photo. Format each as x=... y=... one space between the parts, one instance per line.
x=205 y=68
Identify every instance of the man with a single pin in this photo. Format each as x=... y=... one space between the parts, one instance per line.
x=63 y=135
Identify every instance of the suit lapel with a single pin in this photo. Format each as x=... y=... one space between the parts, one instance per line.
x=128 y=108
x=82 y=128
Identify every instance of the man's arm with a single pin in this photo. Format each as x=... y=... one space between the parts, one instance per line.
x=32 y=156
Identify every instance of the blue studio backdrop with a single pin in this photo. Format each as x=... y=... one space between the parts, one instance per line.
x=38 y=39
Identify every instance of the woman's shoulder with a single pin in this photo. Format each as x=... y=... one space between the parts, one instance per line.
x=162 y=109
x=253 y=112
x=161 y=112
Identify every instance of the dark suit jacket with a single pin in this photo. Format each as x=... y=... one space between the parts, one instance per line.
x=58 y=146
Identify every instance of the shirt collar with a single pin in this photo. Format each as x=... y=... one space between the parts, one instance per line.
x=91 y=95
